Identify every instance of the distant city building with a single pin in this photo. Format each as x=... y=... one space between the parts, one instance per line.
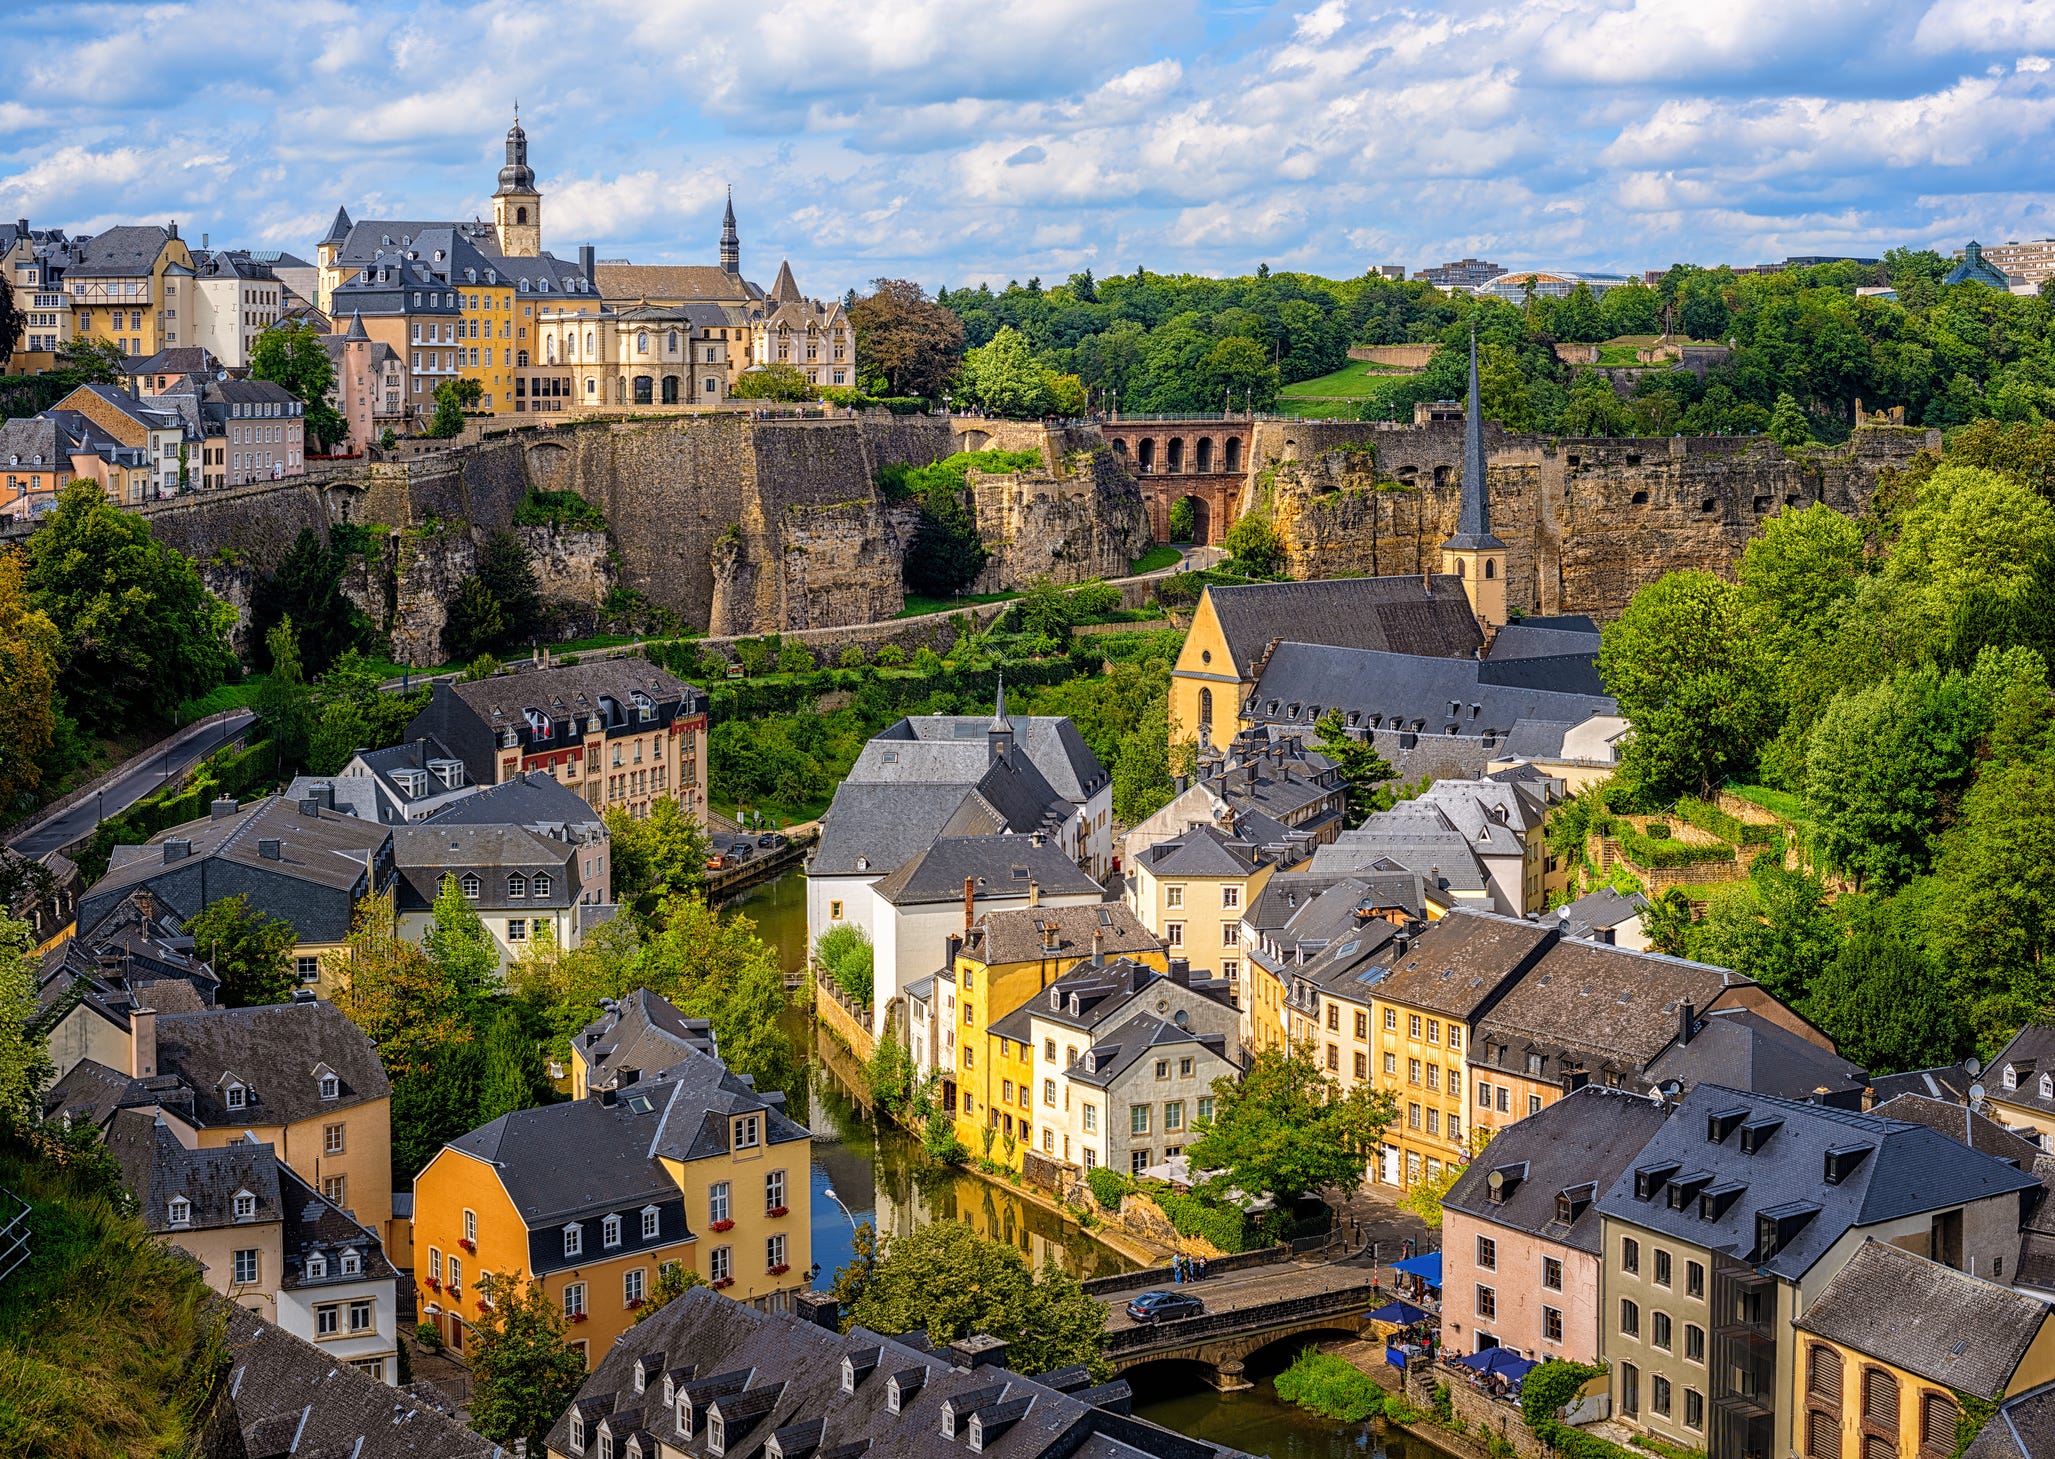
x=2027 y=263
x=1546 y=284
x=1975 y=268
x=1388 y=271
x=1462 y=274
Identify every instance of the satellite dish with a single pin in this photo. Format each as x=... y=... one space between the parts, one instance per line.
x=1497 y=1181
x=1975 y=1067
x=1672 y=1088
x=1976 y=1094
x=1655 y=1097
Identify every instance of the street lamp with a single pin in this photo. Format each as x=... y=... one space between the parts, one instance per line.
x=829 y=1192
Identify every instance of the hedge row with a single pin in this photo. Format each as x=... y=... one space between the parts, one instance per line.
x=1716 y=822
x=1224 y=1226
x=234 y=773
x=1652 y=851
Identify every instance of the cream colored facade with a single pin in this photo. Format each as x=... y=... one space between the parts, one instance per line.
x=1199 y=918
x=650 y=355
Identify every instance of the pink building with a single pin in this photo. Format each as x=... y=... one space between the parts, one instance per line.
x=370 y=386
x=1520 y=1228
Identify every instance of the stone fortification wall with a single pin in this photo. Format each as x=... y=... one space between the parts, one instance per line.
x=1405 y=356
x=1082 y=519
x=1585 y=522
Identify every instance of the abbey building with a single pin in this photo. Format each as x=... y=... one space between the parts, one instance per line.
x=487 y=302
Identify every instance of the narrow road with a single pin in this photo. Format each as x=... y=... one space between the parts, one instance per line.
x=1254 y=1287
x=171 y=757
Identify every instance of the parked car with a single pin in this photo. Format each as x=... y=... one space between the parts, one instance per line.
x=1164 y=1306
x=770 y=840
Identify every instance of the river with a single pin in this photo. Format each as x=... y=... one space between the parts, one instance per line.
x=876 y=1173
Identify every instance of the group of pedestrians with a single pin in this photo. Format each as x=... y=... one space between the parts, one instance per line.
x=1187 y=1268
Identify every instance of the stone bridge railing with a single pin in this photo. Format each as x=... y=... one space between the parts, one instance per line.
x=1186 y=1332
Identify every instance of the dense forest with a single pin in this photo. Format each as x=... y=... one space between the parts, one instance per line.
x=1889 y=676
x=1178 y=343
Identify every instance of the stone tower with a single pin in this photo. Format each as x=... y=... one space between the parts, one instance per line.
x=731 y=241
x=517 y=206
x=1473 y=554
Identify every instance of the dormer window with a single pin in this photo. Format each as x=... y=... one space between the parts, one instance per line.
x=245 y=1206
x=237 y=1096
x=541 y=884
x=181 y=1212
x=645 y=707
x=610 y=1231
x=2011 y=1077
x=471 y=885
x=352 y=1263
x=577 y=1431
x=716 y=1435
x=517 y=885
x=317 y=1266
x=330 y=1086
x=574 y=1240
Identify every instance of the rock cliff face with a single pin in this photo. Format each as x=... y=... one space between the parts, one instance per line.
x=1585 y=522
x=428 y=568
x=574 y=573
x=1081 y=520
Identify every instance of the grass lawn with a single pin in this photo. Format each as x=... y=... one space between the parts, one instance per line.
x=1357 y=380
x=1155 y=559
x=227 y=697
x=1621 y=355
x=785 y=813
x=916 y=605
x=1780 y=803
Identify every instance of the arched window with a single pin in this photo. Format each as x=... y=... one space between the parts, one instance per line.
x=1459 y=568
x=672 y=346
x=1823 y=1373
x=1490 y=567
x=1938 y=1417
x=1205 y=708
x=1880 y=1402
x=645 y=390
x=520 y=215
x=670 y=390
x=642 y=343
x=588 y=342
x=521 y=358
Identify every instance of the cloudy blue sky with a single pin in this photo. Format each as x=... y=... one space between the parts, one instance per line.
x=993 y=139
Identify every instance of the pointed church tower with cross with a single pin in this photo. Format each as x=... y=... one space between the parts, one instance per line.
x=1473 y=554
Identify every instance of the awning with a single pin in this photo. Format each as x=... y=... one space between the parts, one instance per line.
x=1503 y=1362
x=1405 y=1314
x=1427 y=1268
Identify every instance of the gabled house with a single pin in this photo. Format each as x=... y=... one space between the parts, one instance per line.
x=2020 y=1083
x=1191 y=890
x=88 y=993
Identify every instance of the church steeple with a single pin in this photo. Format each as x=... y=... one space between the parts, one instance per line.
x=517 y=206
x=1473 y=554
x=731 y=241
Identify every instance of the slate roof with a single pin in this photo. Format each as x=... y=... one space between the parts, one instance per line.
x=1944 y=1081
x=2030 y=1055
x=682 y=282
x=1903 y=1170
x=1743 y=1050
x=353 y=795
x=314 y=1225
x=1000 y=866
x=274 y=1050
x=1578 y=1144
x=535 y=800
x=1955 y=1329
x=1413 y=693
x=870 y=830
x=1021 y=934
x=426 y=853
x=1103 y=993
x=1397 y=615
x=290 y=1397
x=329 y=849
x=1592 y=1006
x=1600 y=911
x=1201 y=851
x=1420 y=837
x=1142 y=1037
x=1348 y=963
x=499 y=700
x=157 y=1169
x=1458 y=967
x=2023 y=1428
x=798 y=1367
x=118 y=252
x=1052 y=742
x=1960 y=1122
x=642 y=1031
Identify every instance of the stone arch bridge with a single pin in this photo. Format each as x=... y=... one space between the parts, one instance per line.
x=1205 y=458
x=1260 y=1308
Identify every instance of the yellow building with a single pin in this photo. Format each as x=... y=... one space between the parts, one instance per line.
x=134 y=286
x=1896 y=1351
x=1192 y=891
x=1008 y=959
x=1422 y=1013
x=666 y=1157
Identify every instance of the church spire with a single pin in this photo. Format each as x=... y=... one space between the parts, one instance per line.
x=1473 y=555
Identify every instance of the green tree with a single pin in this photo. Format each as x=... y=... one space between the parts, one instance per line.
x=306 y=586
x=946 y=553
x=1362 y=769
x=1004 y=377
x=504 y=568
x=786 y=383
x=661 y=855
x=1788 y=424
x=247 y=950
x=458 y=944
x=1973 y=567
x=950 y=1281
x=673 y=1280
x=291 y=354
x=1990 y=925
x=452 y=399
x=1253 y=542
x=29 y=649
x=1774 y=928
x=1184 y=519
x=285 y=705
x=1693 y=682
x=25 y=1065
x=11 y=321
x=513 y=1077
x=1286 y=1128
x=476 y=623
x=524 y=1372
x=89 y=362
x=1886 y=1006
x=138 y=632
x=912 y=343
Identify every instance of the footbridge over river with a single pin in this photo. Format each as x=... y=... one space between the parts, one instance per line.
x=1252 y=1301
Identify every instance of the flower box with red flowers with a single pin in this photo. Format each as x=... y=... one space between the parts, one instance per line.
x=633 y=1303
x=434 y=1285
x=469 y=1245
x=723 y=1282
x=778 y=1211
x=578 y=1316
x=780 y=1269
x=723 y=1225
